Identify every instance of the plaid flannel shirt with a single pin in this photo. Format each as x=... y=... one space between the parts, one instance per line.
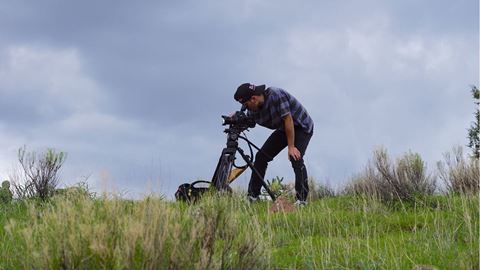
x=278 y=104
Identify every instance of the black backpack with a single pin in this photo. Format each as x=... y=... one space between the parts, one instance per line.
x=189 y=192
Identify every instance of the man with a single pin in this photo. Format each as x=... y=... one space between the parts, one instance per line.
x=276 y=109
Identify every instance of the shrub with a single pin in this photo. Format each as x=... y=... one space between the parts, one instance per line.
x=80 y=189
x=364 y=184
x=318 y=190
x=403 y=180
x=460 y=175
x=40 y=173
x=5 y=193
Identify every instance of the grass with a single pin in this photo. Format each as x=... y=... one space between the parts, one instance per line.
x=227 y=233
x=351 y=233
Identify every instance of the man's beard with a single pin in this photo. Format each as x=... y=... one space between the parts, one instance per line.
x=260 y=106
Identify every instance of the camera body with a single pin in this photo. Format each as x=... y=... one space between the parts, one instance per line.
x=239 y=120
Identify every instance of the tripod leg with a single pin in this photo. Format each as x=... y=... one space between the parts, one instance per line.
x=250 y=164
x=220 y=177
x=215 y=174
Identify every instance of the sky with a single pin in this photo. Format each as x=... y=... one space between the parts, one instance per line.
x=134 y=92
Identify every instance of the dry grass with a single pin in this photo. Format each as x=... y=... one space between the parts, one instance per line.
x=149 y=234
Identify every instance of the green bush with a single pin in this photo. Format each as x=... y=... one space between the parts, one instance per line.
x=5 y=193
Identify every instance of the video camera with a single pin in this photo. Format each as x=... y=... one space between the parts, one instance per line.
x=239 y=120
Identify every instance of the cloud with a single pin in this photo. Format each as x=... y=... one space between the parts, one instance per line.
x=367 y=85
x=52 y=101
x=134 y=93
x=42 y=84
x=43 y=93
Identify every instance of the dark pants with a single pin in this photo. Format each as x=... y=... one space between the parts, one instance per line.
x=274 y=145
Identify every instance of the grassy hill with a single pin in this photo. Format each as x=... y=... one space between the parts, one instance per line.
x=344 y=232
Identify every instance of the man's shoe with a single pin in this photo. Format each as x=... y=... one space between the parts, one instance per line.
x=252 y=199
x=299 y=203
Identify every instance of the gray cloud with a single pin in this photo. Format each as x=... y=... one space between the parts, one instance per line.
x=134 y=93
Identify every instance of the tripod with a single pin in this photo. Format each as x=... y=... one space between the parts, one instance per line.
x=226 y=161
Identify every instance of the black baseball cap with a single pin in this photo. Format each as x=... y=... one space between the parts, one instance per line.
x=247 y=90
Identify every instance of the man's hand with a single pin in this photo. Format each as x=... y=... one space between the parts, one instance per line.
x=294 y=153
x=290 y=133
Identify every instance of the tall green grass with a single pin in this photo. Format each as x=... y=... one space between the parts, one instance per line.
x=347 y=232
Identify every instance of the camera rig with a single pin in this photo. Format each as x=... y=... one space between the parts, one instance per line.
x=227 y=170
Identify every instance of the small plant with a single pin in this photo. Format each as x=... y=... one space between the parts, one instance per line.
x=5 y=193
x=276 y=186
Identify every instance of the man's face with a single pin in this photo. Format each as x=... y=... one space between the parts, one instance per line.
x=254 y=103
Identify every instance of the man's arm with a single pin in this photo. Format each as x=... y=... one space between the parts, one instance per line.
x=290 y=133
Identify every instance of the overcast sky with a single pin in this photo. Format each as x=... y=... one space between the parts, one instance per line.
x=133 y=92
